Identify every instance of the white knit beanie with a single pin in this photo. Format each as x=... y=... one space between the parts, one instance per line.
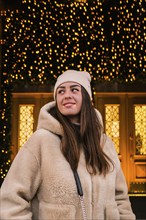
x=81 y=77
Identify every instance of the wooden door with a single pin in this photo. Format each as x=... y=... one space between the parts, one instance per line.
x=124 y=117
x=136 y=157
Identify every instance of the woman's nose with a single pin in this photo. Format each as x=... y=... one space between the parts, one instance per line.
x=68 y=94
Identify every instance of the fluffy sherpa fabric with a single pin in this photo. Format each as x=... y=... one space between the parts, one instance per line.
x=40 y=184
x=81 y=77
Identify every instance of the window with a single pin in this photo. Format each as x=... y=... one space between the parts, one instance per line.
x=112 y=124
x=140 y=129
x=26 y=122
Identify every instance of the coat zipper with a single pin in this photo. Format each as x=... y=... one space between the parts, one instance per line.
x=81 y=195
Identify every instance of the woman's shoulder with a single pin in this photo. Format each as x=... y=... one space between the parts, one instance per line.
x=40 y=140
x=38 y=136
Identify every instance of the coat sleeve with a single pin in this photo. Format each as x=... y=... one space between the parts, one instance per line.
x=122 y=198
x=20 y=186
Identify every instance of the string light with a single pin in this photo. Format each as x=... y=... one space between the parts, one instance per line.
x=48 y=35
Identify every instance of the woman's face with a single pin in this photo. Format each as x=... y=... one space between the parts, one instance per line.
x=69 y=100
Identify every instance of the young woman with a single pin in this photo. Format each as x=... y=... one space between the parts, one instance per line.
x=69 y=168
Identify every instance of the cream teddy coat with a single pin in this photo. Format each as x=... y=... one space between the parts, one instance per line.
x=40 y=184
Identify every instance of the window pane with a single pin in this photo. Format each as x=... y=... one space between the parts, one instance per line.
x=112 y=124
x=26 y=122
x=140 y=129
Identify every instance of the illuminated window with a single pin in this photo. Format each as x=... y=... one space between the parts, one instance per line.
x=112 y=124
x=26 y=121
x=140 y=129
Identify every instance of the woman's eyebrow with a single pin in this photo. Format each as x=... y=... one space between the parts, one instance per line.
x=75 y=85
x=63 y=87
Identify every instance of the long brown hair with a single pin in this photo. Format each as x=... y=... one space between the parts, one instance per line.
x=90 y=136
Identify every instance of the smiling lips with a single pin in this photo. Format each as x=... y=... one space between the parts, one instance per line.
x=68 y=104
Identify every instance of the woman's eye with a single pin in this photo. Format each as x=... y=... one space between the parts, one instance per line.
x=75 y=89
x=60 y=91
